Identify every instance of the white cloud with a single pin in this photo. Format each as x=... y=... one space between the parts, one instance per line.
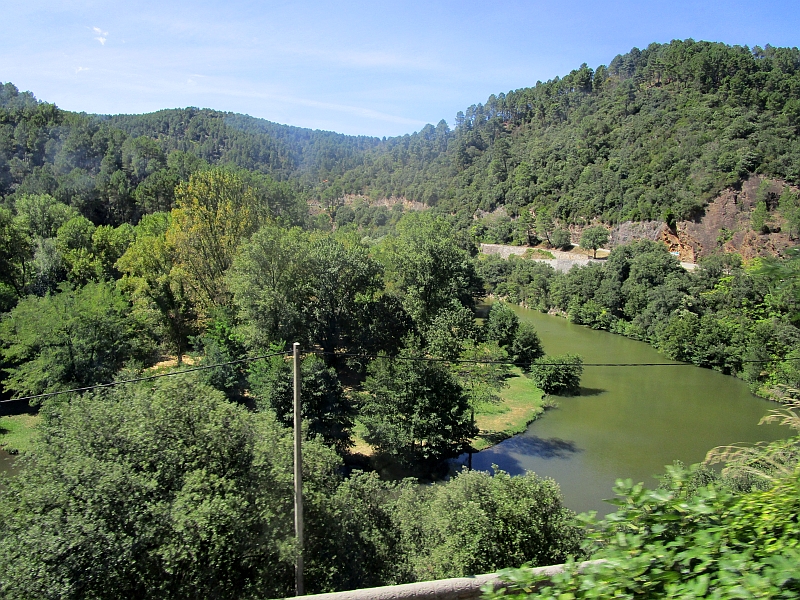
x=79 y=69
x=102 y=35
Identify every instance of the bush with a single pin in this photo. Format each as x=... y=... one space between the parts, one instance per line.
x=560 y=238
x=527 y=346
x=558 y=374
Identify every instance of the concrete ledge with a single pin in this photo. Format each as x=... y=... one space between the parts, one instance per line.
x=460 y=588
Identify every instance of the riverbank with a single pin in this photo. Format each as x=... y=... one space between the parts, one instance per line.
x=521 y=403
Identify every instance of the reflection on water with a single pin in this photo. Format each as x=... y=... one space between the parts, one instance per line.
x=627 y=422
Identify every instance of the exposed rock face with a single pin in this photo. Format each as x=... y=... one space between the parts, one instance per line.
x=640 y=230
x=725 y=226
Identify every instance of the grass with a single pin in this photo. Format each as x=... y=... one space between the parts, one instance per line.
x=521 y=402
x=538 y=253
x=16 y=433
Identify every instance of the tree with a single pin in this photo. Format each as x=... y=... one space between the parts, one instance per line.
x=527 y=346
x=482 y=373
x=450 y=331
x=158 y=491
x=502 y=324
x=545 y=225
x=561 y=238
x=594 y=238
x=345 y=281
x=216 y=212
x=426 y=267
x=478 y=523
x=760 y=218
x=74 y=242
x=41 y=215
x=75 y=338
x=790 y=210
x=558 y=374
x=271 y=280
x=152 y=280
x=15 y=254
x=325 y=406
x=414 y=410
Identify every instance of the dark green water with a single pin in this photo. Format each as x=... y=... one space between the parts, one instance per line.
x=6 y=462
x=628 y=421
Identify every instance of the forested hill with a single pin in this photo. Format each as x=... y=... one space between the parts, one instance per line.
x=115 y=168
x=655 y=134
x=282 y=151
x=658 y=130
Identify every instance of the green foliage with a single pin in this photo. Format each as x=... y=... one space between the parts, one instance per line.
x=426 y=266
x=14 y=256
x=414 y=410
x=161 y=491
x=790 y=211
x=73 y=338
x=502 y=325
x=450 y=331
x=319 y=289
x=478 y=523
x=482 y=373
x=561 y=239
x=759 y=218
x=41 y=215
x=217 y=211
x=527 y=346
x=325 y=406
x=155 y=285
x=270 y=280
x=687 y=541
x=558 y=374
x=594 y=238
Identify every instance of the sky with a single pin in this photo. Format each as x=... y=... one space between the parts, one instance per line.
x=361 y=68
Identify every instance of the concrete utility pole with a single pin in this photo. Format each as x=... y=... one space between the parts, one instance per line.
x=298 y=475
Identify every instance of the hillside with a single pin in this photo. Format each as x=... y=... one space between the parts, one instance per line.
x=655 y=135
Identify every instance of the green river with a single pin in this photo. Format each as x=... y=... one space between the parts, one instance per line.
x=628 y=422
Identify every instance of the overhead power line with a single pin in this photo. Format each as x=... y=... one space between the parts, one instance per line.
x=512 y=363
x=353 y=355
x=147 y=378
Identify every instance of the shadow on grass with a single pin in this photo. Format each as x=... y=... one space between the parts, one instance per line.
x=493 y=437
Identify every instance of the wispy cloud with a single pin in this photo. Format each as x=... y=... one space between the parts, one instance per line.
x=102 y=36
x=79 y=69
x=359 y=111
x=368 y=59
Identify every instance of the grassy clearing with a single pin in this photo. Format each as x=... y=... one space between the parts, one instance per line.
x=16 y=433
x=521 y=402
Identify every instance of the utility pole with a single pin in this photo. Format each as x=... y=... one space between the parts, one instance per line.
x=298 y=476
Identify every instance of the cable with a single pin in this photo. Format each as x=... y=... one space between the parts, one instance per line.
x=512 y=363
x=354 y=355
x=148 y=378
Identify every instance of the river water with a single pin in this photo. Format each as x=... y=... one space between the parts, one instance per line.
x=628 y=422
x=6 y=462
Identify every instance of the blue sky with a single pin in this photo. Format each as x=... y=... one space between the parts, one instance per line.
x=374 y=68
